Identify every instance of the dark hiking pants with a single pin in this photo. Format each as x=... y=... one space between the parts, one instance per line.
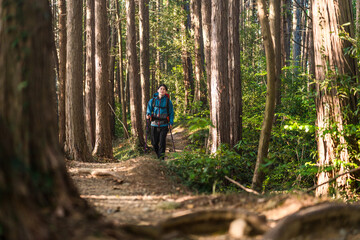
x=158 y=140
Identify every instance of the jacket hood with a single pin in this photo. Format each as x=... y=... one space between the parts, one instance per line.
x=157 y=94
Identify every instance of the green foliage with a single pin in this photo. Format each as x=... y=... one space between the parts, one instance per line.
x=126 y=149
x=119 y=129
x=291 y=155
x=206 y=173
x=198 y=126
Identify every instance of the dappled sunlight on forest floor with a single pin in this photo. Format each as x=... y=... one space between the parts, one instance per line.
x=143 y=196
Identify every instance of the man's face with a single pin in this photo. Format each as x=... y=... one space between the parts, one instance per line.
x=162 y=91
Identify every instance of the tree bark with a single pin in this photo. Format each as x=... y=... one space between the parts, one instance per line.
x=206 y=28
x=357 y=18
x=90 y=74
x=112 y=78
x=158 y=54
x=103 y=143
x=330 y=59
x=32 y=171
x=76 y=147
x=121 y=68
x=144 y=29
x=275 y=22
x=298 y=8
x=36 y=191
x=219 y=75
x=265 y=134
x=235 y=91
x=287 y=29
x=186 y=60
x=62 y=72
x=311 y=50
x=206 y=32
x=196 y=25
x=134 y=79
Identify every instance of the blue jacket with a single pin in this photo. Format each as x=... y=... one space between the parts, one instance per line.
x=159 y=111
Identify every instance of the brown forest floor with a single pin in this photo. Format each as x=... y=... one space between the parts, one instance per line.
x=141 y=191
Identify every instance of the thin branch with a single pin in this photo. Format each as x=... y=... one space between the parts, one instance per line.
x=241 y=186
x=126 y=131
x=301 y=45
x=333 y=179
x=303 y=9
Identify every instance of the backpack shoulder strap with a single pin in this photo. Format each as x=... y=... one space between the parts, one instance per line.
x=167 y=106
x=153 y=103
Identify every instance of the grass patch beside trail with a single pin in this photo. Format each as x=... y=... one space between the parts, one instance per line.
x=125 y=149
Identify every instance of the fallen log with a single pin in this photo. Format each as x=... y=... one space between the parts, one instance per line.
x=319 y=220
x=202 y=223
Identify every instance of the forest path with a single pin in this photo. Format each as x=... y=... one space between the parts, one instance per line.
x=142 y=191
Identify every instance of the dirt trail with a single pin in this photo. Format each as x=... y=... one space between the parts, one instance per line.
x=141 y=191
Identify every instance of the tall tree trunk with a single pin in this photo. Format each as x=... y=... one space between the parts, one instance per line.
x=36 y=189
x=76 y=147
x=287 y=24
x=62 y=72
x=206 y=28
x=186 y=60
x=144 y=29
x=219 y=75
x=235 y=92
x=112 y=78
x=121 y=68
x=103 y=143
x=305 y=38
x=206 y=32
x=265 y=134
x=298 y=6
x=357 y=18
x=158 y=54
x=31 y=145
x=196 y=25
x=90 y=74
x=275 y=22
x=311 y=49
x=134 y=79
x=330 y=59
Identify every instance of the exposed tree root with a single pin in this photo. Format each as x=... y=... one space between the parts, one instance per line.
x=202 y=222
x=316 y=220
x=97 y=173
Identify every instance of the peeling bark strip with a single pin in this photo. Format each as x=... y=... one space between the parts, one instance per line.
x=315 y=219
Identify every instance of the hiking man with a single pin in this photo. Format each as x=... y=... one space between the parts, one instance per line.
x=161 y=113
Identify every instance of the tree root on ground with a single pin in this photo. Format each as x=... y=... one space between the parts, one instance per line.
x=318 y=222
x=201 y=223
x=97 y=173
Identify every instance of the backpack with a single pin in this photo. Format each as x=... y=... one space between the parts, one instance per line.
x=167 y=119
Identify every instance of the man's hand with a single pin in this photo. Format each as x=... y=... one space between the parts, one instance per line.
x=148 y=116
x=170 y=126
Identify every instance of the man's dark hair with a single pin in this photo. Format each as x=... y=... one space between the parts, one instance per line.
x=162 y=85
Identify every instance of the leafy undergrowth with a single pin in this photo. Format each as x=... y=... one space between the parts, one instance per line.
x=124 y=149
x=206 y=173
